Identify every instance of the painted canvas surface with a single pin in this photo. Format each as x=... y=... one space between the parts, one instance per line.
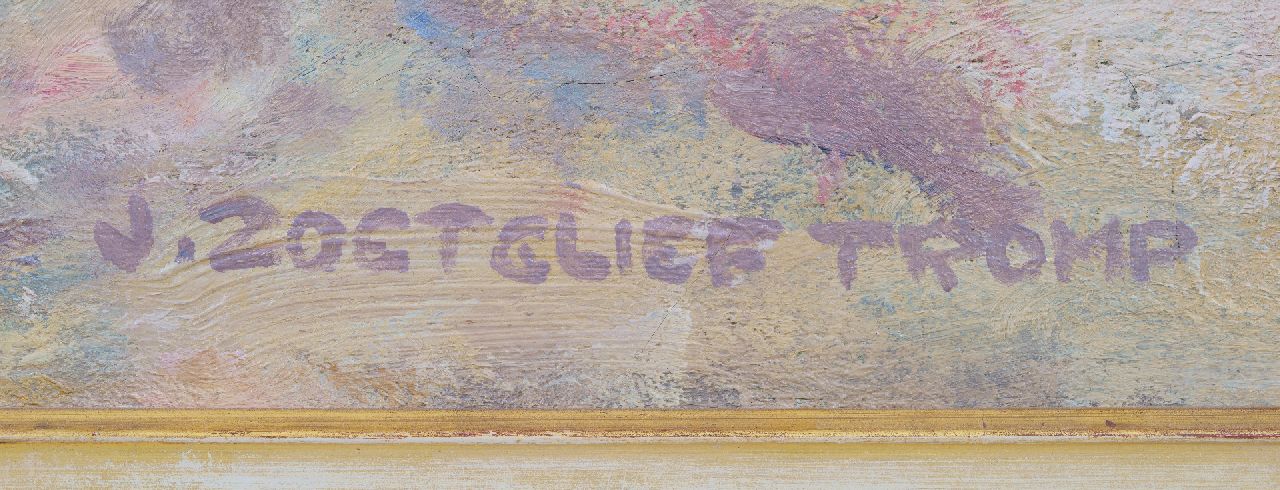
x=626 y=204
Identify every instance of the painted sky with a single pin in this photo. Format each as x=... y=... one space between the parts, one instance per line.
x=360 y=117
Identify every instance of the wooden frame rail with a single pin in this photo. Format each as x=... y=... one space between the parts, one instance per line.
x=67 y=424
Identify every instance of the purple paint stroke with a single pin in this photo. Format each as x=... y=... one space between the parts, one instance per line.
x=849 y=237
x=1181 y=237
x=581 y=264
x=749 y=235
x=373 y=254
x=1069 y=247
x=451 y=219
x=233 y=254
x=531 y=270
x=997 y=252
x=887 y=106
x=801 y=77
x=662 y=260
x=166 y=45
x=327 y=226
x=127 y=251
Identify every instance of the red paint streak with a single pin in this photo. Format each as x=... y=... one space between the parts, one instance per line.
x=75 y=71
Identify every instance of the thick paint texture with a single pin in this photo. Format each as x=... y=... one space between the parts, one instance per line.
x=623 y=204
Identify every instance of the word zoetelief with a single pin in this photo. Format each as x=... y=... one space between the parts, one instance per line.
x=732 y=244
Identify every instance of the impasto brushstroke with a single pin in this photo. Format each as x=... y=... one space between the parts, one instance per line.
x=626 y=204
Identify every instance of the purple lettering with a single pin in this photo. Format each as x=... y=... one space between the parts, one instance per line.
x=257 y=215
x=186 y=251
x=849 y=237
x=533 y=271
x=749 y=232
x=912 y=238
x=998 y=253
x=622 y=245
x=126 y=252
x=373 y=254
x=451 y=219
x=661 y=260
x=588 y=266
x=1068 y=248
x=330 y=248
x=1183 y=237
